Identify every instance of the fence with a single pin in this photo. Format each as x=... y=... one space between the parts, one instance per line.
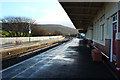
x=11 y=40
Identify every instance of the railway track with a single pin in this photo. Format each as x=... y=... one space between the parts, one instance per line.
x=28 y=54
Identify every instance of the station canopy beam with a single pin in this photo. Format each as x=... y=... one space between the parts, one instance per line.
x=82 y=13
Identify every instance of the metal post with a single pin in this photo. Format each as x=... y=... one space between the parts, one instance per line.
x=29 y=32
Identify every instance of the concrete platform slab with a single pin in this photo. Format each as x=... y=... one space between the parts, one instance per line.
x=69 y=60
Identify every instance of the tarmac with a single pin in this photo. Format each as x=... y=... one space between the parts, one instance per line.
x=71 y=60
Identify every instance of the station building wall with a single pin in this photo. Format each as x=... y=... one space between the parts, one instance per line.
x=101 y=31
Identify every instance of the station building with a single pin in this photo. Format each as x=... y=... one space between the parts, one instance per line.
x=100 y=21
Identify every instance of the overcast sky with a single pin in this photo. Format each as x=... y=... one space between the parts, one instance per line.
x=43 y=11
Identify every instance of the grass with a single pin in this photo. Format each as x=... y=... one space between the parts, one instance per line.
x=8 y=53
x=13 y=34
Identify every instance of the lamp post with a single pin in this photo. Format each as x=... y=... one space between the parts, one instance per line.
x=30 y=23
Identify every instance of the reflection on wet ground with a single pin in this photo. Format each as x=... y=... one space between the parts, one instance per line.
x=69 y=60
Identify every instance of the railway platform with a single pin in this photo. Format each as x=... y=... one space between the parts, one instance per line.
x=70 y=60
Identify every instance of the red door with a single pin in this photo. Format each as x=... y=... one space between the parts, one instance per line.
x=114 y=41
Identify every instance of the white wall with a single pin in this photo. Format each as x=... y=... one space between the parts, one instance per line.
x=89 y=34
x=104 y=16
x=5 y=40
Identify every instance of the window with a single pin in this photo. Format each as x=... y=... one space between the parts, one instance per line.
x=115 y=22
x=114 y=17
x=108 y=26
x=96 y=31
x=115 y=26
x=102 y=31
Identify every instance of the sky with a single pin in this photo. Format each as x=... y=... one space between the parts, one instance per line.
x=43 y=11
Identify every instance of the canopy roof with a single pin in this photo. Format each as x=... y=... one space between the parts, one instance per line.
x=82 y=13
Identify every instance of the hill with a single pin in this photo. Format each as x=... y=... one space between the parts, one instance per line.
x=59 y=28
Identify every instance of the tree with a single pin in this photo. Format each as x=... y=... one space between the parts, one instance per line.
x=57 y=32
x=17 y=24
x=38 y=31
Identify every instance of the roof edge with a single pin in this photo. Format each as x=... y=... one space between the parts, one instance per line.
x=88 y=0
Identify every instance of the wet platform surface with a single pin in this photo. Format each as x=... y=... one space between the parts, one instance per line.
x=69 y=60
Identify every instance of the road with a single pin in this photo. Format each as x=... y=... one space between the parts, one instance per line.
x=69 y=60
